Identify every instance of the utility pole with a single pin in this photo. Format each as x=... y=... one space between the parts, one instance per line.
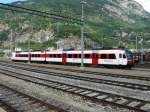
x=136 y=43
x=11 y=41
x=82 y=34
x=29 y=46
x=142 y=49
x=120 y=39
x=29 y=42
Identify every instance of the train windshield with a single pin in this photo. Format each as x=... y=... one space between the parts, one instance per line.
x=129 y=55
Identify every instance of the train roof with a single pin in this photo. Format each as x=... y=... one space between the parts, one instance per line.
x=102 y=50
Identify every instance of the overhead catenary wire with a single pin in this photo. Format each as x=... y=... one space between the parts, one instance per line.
x=40 y=13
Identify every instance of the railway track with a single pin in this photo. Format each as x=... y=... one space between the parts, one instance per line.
x=140 y=69
x=100 y=81
x=97 y=96
x=81 y=71
x=6 y=107
x=16 y=101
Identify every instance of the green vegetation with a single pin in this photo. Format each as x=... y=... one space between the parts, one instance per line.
x=1 y=54
x=38 y=46
x=99 y=23
x=3 y=36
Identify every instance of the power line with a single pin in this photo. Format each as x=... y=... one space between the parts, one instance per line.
x=39 y=13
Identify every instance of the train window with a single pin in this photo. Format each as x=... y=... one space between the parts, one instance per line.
x=87 y=56
x=64 y=55
x=112 y=56
x=79 y=55
x=54 y=55
x=50 y=56
x=59 y=55
x=95 y=56
x=124 y=56
x=75 y=55
x=99 y=56
x=69 y=55
x=103 y=56
x=120 y=55
x=129 y=55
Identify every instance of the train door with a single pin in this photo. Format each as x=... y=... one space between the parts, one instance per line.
x=64 y=59
x=95 y=59
x=45 y=56
x=29 y=56
x=120 y=60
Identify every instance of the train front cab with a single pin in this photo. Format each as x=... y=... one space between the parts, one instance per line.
x=130 y=60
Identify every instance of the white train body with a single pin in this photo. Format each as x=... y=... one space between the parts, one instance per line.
x=37 y=56
x=22 y=56
x=114 y=57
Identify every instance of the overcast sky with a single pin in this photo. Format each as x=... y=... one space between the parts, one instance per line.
x=9 y=1
x=145 y=3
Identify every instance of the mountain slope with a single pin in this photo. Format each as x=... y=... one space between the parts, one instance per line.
x=104 y=18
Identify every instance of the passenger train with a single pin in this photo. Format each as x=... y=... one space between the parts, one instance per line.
x=120 y=58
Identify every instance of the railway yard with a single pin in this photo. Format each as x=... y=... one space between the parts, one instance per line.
x=74 y=56
x=56 y=88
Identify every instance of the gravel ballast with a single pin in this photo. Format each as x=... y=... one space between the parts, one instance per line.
x=143 y=95
x=77 y=104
